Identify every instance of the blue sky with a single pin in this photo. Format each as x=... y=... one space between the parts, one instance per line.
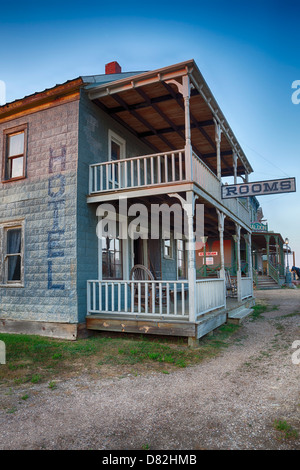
x=248 y=53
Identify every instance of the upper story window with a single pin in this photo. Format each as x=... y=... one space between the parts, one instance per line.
x=116 y=146
x=14 y=152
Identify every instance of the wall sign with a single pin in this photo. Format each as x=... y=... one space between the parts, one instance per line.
x=258 y=227
x=259 y=188
x=208 y=253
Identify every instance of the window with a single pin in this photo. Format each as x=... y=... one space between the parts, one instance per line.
x=116 y=151
x=12 y=251
x=116 y=145
x=112 y=258
x=181 y=265
x=168 y=248
x=14 y=153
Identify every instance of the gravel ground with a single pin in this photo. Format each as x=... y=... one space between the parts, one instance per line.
x=228 y=402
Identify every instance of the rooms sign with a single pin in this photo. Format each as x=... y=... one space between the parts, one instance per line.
x=259 y=188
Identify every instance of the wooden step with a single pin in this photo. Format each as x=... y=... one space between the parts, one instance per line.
x=266 y=282
x=239 y=314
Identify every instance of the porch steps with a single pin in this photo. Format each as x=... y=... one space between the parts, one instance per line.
x=238 y=314
x=266 y=282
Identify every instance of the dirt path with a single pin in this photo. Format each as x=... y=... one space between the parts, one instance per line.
x=229 y=402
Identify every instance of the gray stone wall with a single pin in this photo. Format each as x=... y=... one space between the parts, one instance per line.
x=46 y=201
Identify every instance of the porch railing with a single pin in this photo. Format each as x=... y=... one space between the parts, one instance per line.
x=246 y=287
x=208 y=181
x=210 y=295
x=157 y=169
x=135 y=172
x=274 y=272
x=138 y=298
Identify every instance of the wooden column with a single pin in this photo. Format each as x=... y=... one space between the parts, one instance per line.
x=221 y=221
x=235 y=167
x=238 y=250
x=218 y=134
x=190 y=209
x=249 y=253
x=188 y=144
x=267 y=238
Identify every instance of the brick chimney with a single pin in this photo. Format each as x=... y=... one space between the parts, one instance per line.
x=112 y=67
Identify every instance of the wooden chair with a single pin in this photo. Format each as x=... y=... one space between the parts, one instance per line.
x=141 y=273
x=231 y=285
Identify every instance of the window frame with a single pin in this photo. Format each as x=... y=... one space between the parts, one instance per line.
x=169 y=238
x=184 y=259
x=4 y=228
x=115 y=138
x=5 y=160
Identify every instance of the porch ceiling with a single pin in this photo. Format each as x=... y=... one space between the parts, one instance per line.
x=210 y=214
x=153 y=110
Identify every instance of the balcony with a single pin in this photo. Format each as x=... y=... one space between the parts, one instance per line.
x=160 y=170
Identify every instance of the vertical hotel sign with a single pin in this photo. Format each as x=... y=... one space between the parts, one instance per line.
x=259 y=188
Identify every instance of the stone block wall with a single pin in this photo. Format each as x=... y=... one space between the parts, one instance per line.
x=46 y=200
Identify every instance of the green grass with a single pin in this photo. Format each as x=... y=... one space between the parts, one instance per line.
x=35 y=359
x=286 y=430
x=258 y=310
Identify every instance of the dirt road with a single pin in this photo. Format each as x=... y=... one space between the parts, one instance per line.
x=229 y=402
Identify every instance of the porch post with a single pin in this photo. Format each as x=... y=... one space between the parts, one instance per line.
x=188 y=144
x=267 y=238
x=204 y=240
x=221 y=220
x=277 y=253
x=249 y=253
x=218 y=133
x=235 y=167
x=189 y=208
x=238 y=249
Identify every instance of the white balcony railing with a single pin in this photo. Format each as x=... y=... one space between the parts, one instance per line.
x=138 y=298
x=158 y=169
x=136 y=172
x=246 y=287
x=210 y=295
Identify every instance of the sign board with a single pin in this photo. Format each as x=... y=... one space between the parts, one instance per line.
x=258 y=227
x=209 y=253
x=209 y=261
x=259 y=188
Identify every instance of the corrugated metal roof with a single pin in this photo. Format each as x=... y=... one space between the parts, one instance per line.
x=94 y=80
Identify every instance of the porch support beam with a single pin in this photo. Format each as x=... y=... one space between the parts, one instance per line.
x=267 y=238
x=190 y=210
x=204 y=241
x=221 y=223
x=218 y=135
x=188 y=205
x=142 y=120
x=182 y=104
x=161 y=113
x=238 y=253
x=123 y=123
x=249 y=252
x=235 y=166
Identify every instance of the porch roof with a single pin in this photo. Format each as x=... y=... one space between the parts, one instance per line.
x=151 y=107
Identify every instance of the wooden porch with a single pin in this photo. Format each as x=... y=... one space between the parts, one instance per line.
x=162 y=307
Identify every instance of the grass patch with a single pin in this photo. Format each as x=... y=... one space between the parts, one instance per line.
x=35 y=359
x=286 y=430
x=258 y=310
